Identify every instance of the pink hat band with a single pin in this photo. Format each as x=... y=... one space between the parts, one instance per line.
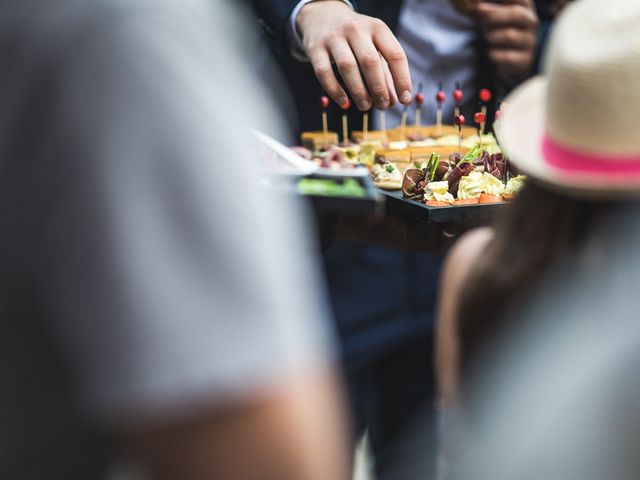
x=569 y=160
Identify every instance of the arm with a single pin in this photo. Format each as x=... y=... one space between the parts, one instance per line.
x=457 y=267
x=294 y=431
x=274 y=17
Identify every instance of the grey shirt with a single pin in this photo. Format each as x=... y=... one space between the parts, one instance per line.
x=142 y=271
x=558 y=397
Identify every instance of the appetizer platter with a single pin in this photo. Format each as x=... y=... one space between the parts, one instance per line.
x=331 y=183
x=433 y=173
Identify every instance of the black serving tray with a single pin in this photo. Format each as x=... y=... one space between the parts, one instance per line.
x=372 y=203
x=469 y=215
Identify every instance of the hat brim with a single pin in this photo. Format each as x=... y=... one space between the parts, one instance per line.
x=521 y=132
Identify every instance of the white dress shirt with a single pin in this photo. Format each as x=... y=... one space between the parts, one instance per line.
x=439 y=43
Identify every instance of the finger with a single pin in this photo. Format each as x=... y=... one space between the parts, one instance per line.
x=511 y=62
x=510 y=38
x=393 y=95
x=371 y=66
x=394 y=55
x=349 y=71
x=321 y=63
x=515 y=16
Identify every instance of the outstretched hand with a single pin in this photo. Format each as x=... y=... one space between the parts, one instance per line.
x=370 y=60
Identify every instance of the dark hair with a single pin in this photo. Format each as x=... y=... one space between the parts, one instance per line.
x=538 y=230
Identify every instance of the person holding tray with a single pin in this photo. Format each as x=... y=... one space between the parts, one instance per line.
x=382 y=50
x=535 y=307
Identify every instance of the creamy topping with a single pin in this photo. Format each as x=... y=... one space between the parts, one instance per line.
x=492 y=185
x=438 y=191
x=386 y=173
x=471 y=186
x=398 y=145
x=515 y=185
x=448 y=140
x=427 y=142
x=368 y=151
x=351 y=152
x=488 y=140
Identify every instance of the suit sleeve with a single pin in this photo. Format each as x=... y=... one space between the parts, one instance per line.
x=273 y=16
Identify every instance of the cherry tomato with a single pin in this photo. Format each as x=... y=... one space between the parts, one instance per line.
x=485 y=95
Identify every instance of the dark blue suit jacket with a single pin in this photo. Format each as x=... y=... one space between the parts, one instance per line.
x=381 y=297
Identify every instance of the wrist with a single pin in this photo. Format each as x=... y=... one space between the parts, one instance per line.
x=308 y=11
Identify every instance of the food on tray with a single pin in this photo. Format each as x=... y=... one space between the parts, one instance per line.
x=368 y=149
x=487 y=198
x=437 y=194
x=379 y=135
x=401 y=158
x=387 y=176
x=461 y=168
x=398 y=145
x=425 y=142
x=476 y=177
x=416 y=180
x=514 y=185
x=303 y=152
x=413 y=184
x=431 y=131
x=316 y=141
x=471 y=186
x=488 y=140
x=334 y=158
x=351 y=152
x=331 y=188
x=491 y=185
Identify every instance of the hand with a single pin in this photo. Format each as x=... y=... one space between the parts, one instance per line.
x=360 y=46
x=510 y=30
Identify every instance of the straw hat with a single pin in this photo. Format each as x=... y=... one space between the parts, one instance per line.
x=578 y=127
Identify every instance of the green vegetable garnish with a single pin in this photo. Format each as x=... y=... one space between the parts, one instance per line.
x=471 y=155
x=432 y=165
x=331 y=188
x=390 y=168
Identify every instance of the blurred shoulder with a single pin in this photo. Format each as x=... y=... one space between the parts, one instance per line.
x=59 y=24
x=463 y=256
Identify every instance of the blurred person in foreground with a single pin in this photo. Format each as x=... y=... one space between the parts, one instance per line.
x=562 y=258
x=153 y=317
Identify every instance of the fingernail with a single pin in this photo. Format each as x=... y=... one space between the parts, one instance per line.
x=364 y=105
x=384 y=101
x=342 y=101
x=406 y=97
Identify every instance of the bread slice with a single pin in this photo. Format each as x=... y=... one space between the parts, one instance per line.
x=358 y=136
x=315 y=141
